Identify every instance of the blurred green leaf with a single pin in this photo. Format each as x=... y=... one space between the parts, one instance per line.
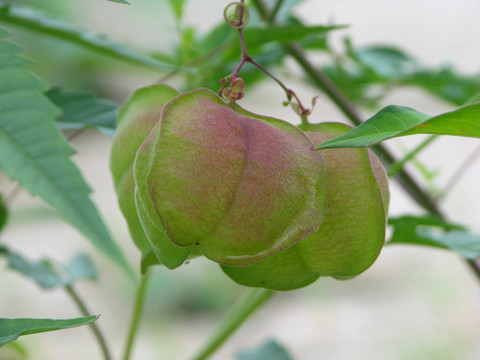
x=463 y=242
x=13 y=351
x=42 y=272
x=385 y=61
x=80 y=267
x=120 y=1
x=48 y=274
x=393 y=121
x=3 y=213
x=405 y=229
x=177 y=7
x=270 y=350
x=445 y=83
x=285 y=10
x=36 y=155
x=284 y=33
x=366 y=74
x=83 y=109
x=432 y=231
x=37 y=21
x=11 y=329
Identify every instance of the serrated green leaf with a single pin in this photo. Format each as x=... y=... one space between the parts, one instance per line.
x=3 y=213
x=11 y=329
x=270 y=350
x=393 y=121
x=36 y=155
x=83 y=109
x=48 y=274
x=40 y=22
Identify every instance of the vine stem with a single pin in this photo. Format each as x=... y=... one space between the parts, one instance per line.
x=245 y=58
x=84 y=311
x=250 y=301
x=136 y=315
x=322 y=81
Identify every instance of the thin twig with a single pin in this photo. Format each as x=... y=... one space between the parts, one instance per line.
x=96 y=331
x=469 y=161
x=303 y=112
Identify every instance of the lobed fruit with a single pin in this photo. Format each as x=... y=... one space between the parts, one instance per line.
x=197 y=176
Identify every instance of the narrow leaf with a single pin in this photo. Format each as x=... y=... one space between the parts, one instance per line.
x=37 y=21
x=83 y=109
x=393 y=121
x=11 y=329
x=270 y=350
x=36 y=155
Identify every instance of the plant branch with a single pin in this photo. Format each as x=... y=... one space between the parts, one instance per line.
x=250 y=301
x=461 y=169
x=136 y=315
x=84 y=311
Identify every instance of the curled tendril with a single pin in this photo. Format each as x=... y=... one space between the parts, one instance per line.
x=236 y=15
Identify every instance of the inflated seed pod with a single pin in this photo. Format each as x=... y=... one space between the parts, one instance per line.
x=237 y=186
x=135 y=120
x=352 y=233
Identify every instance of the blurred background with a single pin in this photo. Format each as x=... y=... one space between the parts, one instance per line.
x=413 y=303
